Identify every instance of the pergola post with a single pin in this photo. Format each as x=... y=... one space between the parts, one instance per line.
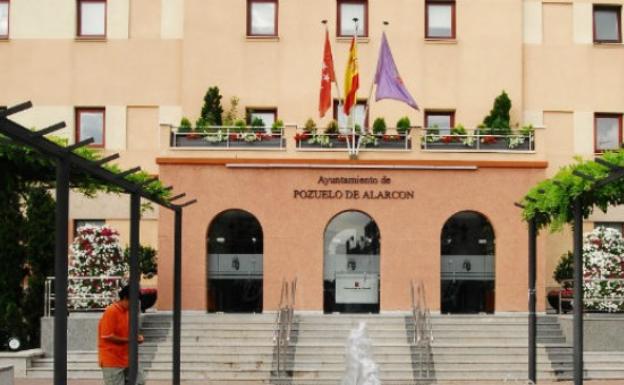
x=578 y=291
x=60 y=271
x=532 y=314
x=177 y=293
x=135 y=275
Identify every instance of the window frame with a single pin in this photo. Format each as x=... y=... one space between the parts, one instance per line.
x=361 y=102
x=77 y=120
x=8 y=3
x=275 y=26
x=598 y=115
x=79 y=33
x=453 y=5
x=251 y=110
x=450 y=113
x=618 y=9
x=339 y=18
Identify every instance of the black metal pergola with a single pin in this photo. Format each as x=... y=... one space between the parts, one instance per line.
x=66 y=159
x=615 y=173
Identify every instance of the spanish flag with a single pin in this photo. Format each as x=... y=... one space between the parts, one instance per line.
x=352 y=79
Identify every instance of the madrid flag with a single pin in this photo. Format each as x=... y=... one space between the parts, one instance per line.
x=327 y=77
x=352 y=79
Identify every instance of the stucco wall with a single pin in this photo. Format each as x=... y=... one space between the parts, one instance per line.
x=293 y=228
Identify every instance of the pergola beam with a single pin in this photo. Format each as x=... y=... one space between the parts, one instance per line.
x=65 y=160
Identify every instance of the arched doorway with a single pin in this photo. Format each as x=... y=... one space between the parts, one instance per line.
x=351 y=264
x=467 y=257
x=234 y=252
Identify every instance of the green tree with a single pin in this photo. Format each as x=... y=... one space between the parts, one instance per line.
x=148 y=265
x=498 y=120
x=211 y=111
x=39 y=241
x=12 y=253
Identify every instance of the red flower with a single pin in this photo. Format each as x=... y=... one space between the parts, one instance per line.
x=448 y=139
x=233 y=137
x=301 y=136
x=391 y=138
x=488 y=139
x=342 y=138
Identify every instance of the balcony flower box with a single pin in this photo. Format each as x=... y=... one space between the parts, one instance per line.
x=224 y=138
x=478 y=142
x=339 y=141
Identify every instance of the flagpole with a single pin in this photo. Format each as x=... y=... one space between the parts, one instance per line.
x=370 y=92
x=340 y=101
x=352 y=113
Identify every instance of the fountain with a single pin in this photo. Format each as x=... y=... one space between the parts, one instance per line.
x=360 y=367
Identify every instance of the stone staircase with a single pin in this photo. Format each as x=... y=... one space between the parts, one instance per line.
x=222 y=348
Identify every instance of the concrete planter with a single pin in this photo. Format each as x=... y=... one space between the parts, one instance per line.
x=601 y=331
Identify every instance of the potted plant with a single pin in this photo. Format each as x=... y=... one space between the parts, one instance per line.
x=379 y=126
x=332 y=127
x=403 y=126
x=563 y=273
x=277 y=127
x=309 y=126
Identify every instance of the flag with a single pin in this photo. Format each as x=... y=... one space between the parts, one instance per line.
x=352 y=79
x=327 y=77
x=389 y=83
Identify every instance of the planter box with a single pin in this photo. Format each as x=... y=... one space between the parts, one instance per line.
x=183 y=141
x=342 y=144
x=447 y=146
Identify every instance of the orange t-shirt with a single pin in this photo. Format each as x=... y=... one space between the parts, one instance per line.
x=114 y=321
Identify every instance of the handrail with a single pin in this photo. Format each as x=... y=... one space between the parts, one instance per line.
x=569 y=283
x=283 y=322
x=74 y=299
x=421 y=318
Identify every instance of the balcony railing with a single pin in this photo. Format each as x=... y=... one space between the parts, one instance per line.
x=476 y=141
x=221 y=138
x=340 y=142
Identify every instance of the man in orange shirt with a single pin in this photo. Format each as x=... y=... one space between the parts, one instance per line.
x=113 y=341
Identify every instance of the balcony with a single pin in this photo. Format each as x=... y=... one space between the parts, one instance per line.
x=292 y=141
x=518 y=141
x=225 y=138
x=313 y=141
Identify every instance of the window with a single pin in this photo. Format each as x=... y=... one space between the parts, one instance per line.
x=78 y=223
x=267 y=115
x=608 y=132
x=439 y=19
x=90 y=124
x=261 y=17
x=442 y=120
x=607 y=24
x=347 y=11
x=358 y=114
x=4 y=19
x=92 y=18
x=610 y=225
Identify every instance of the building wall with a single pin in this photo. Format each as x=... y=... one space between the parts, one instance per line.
x=159 y=57
x=293 y=228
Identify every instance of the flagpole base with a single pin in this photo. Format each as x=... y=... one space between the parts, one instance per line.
x=353 y=156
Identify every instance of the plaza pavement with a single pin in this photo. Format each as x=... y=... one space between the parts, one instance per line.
x=23 y=381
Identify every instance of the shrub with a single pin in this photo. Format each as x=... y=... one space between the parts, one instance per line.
x=240 y=125
x=230 y=116
x=565 y=268
x=403 y=125
x=277 y=126
x=458 y=130
x=257 y=123
x=148 y=266
x=211 y=110
x=379 y=126
x=603 y=251
x=185 y=125
x=95 y=253
x=309 y=126
x=498 y=120
x=332 y=127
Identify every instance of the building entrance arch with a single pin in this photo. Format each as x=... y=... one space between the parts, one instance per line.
x=234 y=249
x=467 y=246
x=351 y=264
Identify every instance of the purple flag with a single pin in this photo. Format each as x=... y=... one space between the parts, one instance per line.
x=389 y=83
